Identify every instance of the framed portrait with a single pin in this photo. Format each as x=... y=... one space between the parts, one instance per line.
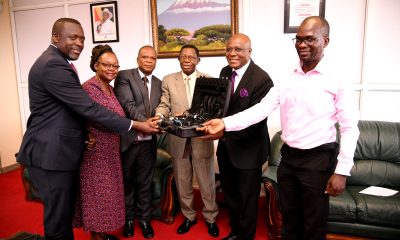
x=297 y=10
x=205 y=24
x=104 y=19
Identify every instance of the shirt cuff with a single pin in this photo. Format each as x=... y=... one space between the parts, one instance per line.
x=344 y=168
x=229 y=124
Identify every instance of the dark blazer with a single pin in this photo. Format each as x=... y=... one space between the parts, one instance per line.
x=248 y=148
x=130 y=90
x=56 y=129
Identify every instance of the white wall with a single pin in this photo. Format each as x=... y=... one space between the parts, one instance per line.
x=363 y=46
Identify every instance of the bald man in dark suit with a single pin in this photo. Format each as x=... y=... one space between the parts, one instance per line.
x=241 y=154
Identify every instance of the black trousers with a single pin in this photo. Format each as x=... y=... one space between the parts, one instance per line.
x=138 y=164
x=57 y=190
x=241 y=189
x=302 y=178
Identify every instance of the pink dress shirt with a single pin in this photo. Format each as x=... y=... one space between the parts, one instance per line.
x=310 y=105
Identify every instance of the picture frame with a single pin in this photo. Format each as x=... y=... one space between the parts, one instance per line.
x=175 y=25
x=104 y=30
x=297 y=10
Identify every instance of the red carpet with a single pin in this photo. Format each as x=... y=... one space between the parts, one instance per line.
x=16 y=214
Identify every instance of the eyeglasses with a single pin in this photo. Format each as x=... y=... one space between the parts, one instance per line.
x=184 y=57
x=309 y=41
x=236 y=50
x=109 y=66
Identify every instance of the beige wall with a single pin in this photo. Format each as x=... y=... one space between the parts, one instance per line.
x=10 y=121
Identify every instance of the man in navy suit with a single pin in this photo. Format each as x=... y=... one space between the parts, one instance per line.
x=241 y=154
x=139 y=93
x=52 y=146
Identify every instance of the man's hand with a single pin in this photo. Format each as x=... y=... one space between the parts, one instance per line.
x=150 y=126
x=336 y=185
x=213 y=129
x=90 y=142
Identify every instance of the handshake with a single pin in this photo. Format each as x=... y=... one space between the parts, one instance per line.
x=150 y=126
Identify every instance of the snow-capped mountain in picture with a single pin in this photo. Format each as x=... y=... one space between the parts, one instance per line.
x=195 y=14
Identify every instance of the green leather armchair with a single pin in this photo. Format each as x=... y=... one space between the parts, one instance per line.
x=376 y=163
x=165 y=203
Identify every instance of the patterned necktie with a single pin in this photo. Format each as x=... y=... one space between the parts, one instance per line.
x=234 y=74
x=146 y=92
x=188 y=92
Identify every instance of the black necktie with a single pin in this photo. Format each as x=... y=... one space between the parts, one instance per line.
x=146 y=92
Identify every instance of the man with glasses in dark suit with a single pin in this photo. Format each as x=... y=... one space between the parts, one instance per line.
x=241 y=154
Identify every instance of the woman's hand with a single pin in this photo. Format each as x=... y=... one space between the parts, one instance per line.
x=90 y=142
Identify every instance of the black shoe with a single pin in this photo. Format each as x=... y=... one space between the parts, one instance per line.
x=185 y=226
x=231 y=236
x=213 y=229
x=128 y=229
x=111 y=237
x=147 y=230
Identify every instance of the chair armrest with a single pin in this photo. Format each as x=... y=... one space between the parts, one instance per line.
x=168 y=198
x=30 y=192
x=169 y=201
x=273 y=213
x=270 y=173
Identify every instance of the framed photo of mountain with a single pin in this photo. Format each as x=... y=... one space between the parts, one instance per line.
x=207 y=24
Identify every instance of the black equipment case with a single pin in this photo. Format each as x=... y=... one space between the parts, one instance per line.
x=210 y=100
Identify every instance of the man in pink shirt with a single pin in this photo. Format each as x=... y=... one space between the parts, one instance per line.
x=311 y=101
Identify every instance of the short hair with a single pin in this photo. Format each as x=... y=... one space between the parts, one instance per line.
x=97 y=51
x=190 y=46
x=59 y=24
x=325 y=28
x=146 y=46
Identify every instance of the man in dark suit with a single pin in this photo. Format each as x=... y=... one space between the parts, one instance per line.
x=241 y=154
x=55 y=137
x=139 y=93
